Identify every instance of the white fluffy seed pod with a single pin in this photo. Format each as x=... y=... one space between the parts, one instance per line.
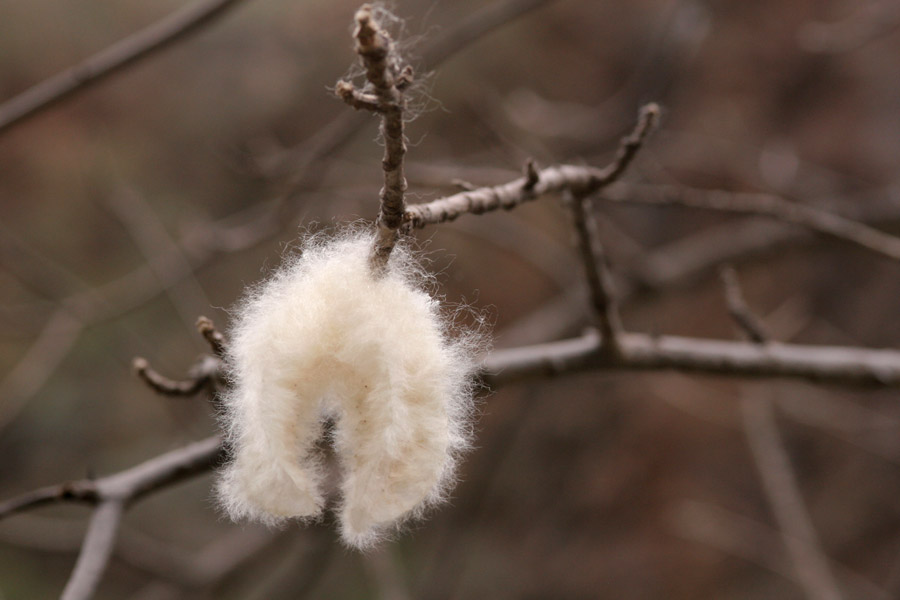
x=324 y=336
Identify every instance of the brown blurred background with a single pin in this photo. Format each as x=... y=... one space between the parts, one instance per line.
x=611 y=485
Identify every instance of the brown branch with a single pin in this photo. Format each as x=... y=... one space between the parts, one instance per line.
x=386 y=79
x=765 y=205
x=580 y=181
x=129 y=485
x=638 y=352
x=142 y=44
x=161 y=384
x=95 y=551
x=356 y=98
x=783 y=493
x=75 y=491
x=837 y=365
x=825 y=364
x=773 y=464
x=605 y=310
x=212 y=336
x=749 y=323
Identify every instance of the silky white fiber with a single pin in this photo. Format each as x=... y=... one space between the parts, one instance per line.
x=326 y=337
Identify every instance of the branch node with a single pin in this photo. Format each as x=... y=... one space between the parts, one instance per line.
x=532 y=176
x=464 y=185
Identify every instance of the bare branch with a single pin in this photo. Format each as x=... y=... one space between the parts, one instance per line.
x=75 y=491
x=774 y=466
x=357 y=99
x=783 y=493
x=142 y=44
x=580 y=181
x=170 y=387
x=600 y=282
x=95 y=552
x=129 y=485
x=749 y=323
x=825 y=364
x=341 y=129
x=766 y=205
x=387 y=78
x=212 y=336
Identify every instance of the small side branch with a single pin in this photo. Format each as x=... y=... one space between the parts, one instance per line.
x=170 y=387
x=749 y=323
x=783 y=493
x=578 y=180
x=212 y=336
x=596 y=270
x=779 y=481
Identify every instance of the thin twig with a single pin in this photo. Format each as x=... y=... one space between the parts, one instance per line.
x=76 y=491
x=604 y=305
x=142 y=44
x=128 y=485
x=387 y=77
x=95 y=552
x=578 y=180
x=766 y=205
x=756 y=542
x=343 y=127
x=212 y=336
x=170 y=387
x=774 y=466
x=783 y=493
x=749 y=323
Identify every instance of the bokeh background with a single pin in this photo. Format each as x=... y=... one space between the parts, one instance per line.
x=146 y=201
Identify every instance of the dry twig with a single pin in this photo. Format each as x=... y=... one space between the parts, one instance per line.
x=212 y=336
x=165 y=32
x=774 y=466
x=387 y=78
x=200 y=377
x=604 y=305
x=766 y=205
x=749 y=323
x=580 y=181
